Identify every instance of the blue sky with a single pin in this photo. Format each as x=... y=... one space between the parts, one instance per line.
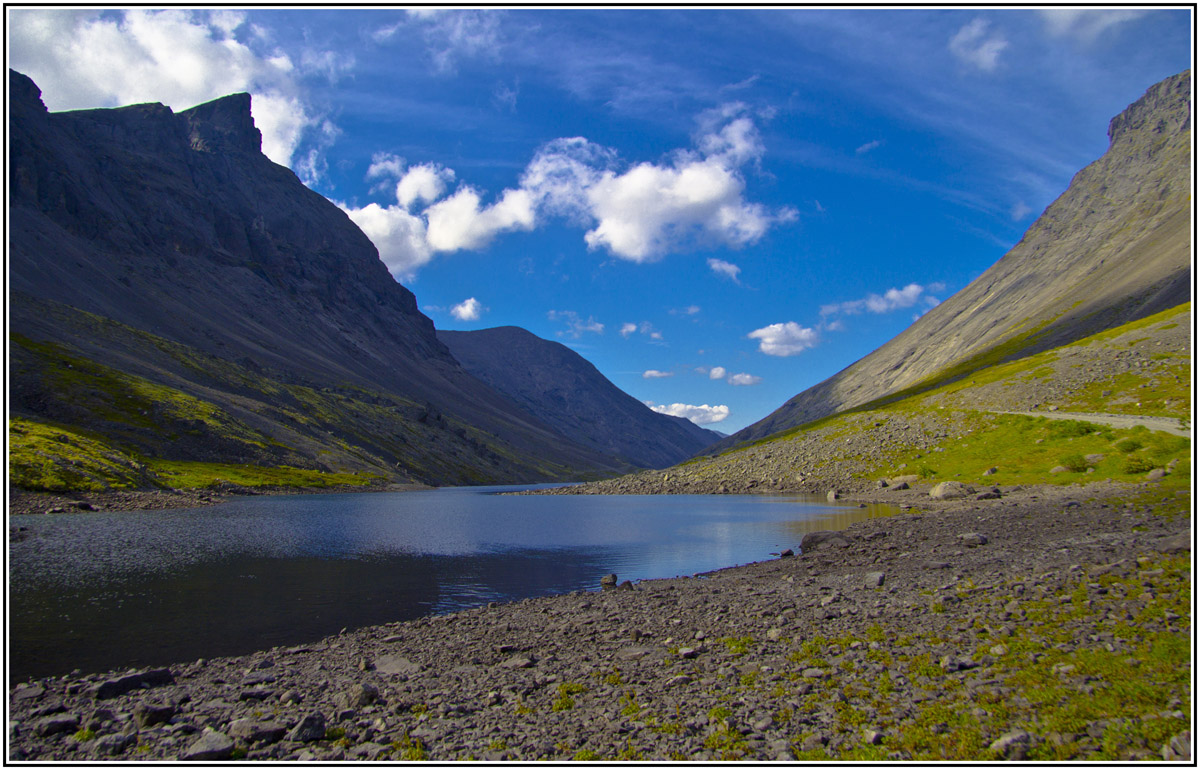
x=718 y=209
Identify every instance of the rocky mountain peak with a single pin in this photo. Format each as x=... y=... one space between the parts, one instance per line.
x=1165 y=108
x=223 y=124
x=23 y=92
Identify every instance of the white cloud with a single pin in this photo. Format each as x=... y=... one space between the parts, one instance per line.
x=178 y=57
x=649 y=209
x=426 y=182
x=398 y=235
x=638 y=214
x=457 y=34
x=744 y=379
x=972 y=45
x=576 y=327
x=645 y=327
x=727 y=269
x=716 y=373
x=458 y=222
x=628 y=329
x=863 y=149
x=655 y=374
x=470 y=309
x=701 y=415
x=892 y=299
x=784 y=339
x=1085 y=24
x=1020 y=211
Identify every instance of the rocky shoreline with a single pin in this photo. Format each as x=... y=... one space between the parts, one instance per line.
x=1010 y=627
x=22 y=502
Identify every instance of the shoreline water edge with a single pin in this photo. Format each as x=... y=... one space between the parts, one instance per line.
x=1051 y=622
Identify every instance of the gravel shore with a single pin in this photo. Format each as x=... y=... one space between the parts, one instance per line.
x=969 y=629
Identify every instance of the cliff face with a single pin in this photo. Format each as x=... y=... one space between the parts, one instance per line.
x=559 y=387
x=1113 y=248
x=177 y=228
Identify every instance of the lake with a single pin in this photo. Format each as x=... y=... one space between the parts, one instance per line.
x=99 y=591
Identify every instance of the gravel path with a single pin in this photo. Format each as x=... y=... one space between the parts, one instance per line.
x=1165 y=424
x=905 y=637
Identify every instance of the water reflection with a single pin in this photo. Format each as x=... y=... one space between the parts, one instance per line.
x=101 y=591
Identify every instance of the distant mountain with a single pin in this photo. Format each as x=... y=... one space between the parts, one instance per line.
x=179 y=296
x=1115 y=247
x=563 y=390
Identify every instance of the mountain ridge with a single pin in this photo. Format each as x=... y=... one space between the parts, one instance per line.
x=567 y=392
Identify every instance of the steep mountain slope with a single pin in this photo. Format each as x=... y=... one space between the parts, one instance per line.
x=150 y=249
x=1115 y=247
x=556 y=385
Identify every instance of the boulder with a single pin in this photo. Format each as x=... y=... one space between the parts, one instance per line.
x=394 y=665
x=310 y=728
x=823 y=538
x=950 y=490
x=210 y=745
x=973 y=539
x=111 y=688
x=147 y=714
x=252 y=731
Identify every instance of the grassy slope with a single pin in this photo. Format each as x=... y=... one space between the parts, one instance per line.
x=202 y=420
x=1025 y=449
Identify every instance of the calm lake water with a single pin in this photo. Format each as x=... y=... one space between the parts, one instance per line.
x=99 y=591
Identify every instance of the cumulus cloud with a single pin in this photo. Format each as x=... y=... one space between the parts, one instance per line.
x=639 y=213
x=655 y=374
x=892 y=299
x=576 y=326
x=716 y=373
x=701 y=415
x=426 y=182
x=645 y=327
x=784 y=339
x=972 y=45
x=399 y=236
x=470 y=309
x=744 y=379
x=1086 y=24
x=727 y=269
x=178 y=57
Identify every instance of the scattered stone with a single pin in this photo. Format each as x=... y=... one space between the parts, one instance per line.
x=1179 y=748
x=608 y=581
x=359 y=695
x=903 y=485
x=786 y=553
x=1156 y=474
x=518 y=661
x=991 y=494
x=973 y=539
x=1060 y=469
x=832 y=495
x=936 y=564
x=113 y=744
x=991 y=471
x=873 y=580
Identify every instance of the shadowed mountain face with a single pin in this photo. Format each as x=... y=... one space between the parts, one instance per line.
x=560 y=388
x=166 y=247
x=1115 y=247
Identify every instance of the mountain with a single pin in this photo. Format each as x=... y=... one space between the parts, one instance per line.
x=1114 y=248
x=175 y=295
x=560 y=388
